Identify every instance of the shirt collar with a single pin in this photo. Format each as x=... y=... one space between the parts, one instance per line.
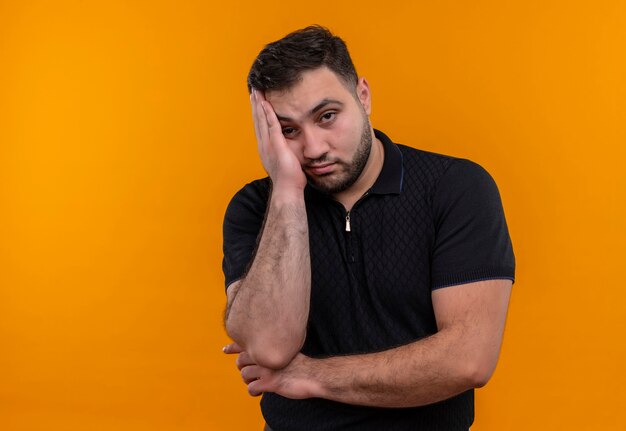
x=389 y=180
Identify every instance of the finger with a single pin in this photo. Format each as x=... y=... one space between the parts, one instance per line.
x=253 y=390
x=257 y=387
x=256 y=372
x=274 y=128
x=232 y=348
x=256 y=117
x=260 y=119
x=250 y=373
x=243 y=360
x=261 y=96
x=271 y=119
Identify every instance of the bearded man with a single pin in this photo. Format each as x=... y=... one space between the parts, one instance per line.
x=367 y=282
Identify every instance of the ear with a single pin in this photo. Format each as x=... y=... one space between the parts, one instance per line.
x=364 y=95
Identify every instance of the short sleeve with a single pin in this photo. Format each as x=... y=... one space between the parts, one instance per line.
x=243 y=222
x=472 y=241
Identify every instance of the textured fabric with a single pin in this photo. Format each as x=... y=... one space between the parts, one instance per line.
x=429 y=221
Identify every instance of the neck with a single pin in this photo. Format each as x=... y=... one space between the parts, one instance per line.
x=367 y=178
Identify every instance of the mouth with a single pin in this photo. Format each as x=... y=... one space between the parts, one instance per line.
x=321 y=169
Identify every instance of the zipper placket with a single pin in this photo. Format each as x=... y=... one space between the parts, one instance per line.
x=349 y=229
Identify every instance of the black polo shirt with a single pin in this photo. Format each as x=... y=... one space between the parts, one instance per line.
x=428 y=222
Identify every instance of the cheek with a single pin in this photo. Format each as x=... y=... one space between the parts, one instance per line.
x=349 y=131
x=296 y=148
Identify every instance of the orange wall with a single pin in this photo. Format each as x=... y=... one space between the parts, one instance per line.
x=124 y=130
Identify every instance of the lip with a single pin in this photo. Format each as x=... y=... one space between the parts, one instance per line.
x=325 y=168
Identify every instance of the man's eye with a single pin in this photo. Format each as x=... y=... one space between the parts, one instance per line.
x=288 y=131
x=328 y=116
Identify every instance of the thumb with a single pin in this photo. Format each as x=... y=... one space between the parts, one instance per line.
x=232 y=348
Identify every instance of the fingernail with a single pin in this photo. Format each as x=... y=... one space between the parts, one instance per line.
x=224 y=349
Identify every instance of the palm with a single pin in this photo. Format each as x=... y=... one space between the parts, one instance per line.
x=278 y=159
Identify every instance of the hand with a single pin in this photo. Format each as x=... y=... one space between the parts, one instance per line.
x=295 y=381
x=279 y=161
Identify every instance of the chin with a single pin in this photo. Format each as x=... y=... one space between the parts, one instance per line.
x=329 y=187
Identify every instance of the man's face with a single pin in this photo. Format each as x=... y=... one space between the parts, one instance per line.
x=326 y=127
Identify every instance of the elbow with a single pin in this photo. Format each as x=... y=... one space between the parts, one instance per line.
x=276 y=351
x=272 y=358
x=274 y=354
x=267 y=350
x=478 y=373
x=479 y=377
x=233 y=332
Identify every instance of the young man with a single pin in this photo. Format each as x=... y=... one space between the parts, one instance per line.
x=367 y=282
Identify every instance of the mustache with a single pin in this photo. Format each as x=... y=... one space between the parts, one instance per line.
x=320 y=161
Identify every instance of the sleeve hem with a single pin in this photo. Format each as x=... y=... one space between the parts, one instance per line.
x=231 y=281
x=473 y=276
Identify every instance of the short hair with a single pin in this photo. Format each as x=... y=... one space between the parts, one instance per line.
x=281 y=63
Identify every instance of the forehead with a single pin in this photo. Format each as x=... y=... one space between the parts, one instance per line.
x=314 y=86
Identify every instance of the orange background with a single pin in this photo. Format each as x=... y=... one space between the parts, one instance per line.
x=125 y=130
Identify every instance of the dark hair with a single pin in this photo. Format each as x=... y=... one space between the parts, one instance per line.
x=280 y=64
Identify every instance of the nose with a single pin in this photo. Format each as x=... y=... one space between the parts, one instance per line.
x=314 y=145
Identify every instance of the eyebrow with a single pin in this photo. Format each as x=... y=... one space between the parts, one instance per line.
x=321 y=105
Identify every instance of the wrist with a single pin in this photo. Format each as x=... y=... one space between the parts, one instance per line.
x=311 y=377
x=286 y=194
x=319 y=382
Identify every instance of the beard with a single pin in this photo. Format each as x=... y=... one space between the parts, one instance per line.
x=341 y=181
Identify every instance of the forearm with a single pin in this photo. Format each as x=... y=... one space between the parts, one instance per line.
x=268 y=311
x=419 y=373
x=462 y=355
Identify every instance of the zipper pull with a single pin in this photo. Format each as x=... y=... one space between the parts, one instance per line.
x=348 y=222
